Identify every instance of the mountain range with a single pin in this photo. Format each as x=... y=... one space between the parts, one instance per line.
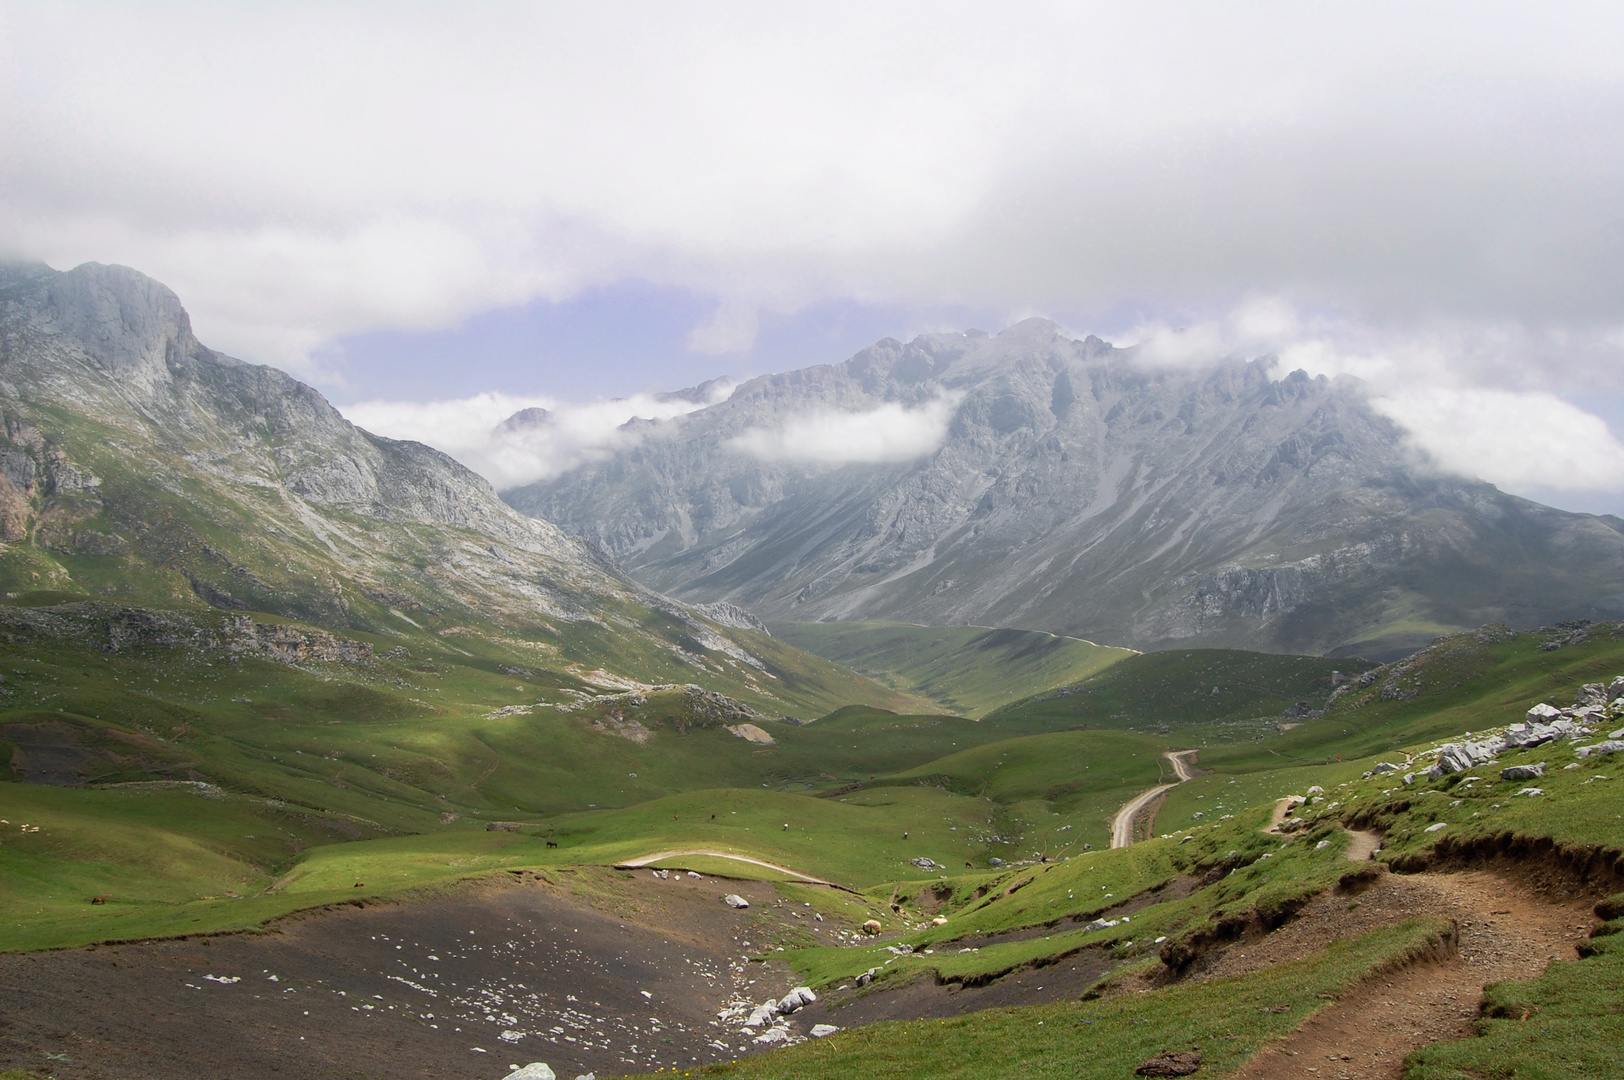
x=139 y=468
x=1080 y=489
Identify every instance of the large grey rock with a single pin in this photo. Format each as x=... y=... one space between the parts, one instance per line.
x=763 y=1015
x=1523 y=772
x=734 y=900
x=1533 y=734
x=1591 y=695
x=536 y=1070
x=1542 y=714
x=1458 y=757
x=1611 y=746
x=798 y=998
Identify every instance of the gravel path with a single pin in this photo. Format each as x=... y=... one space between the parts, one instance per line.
x=1122 y=824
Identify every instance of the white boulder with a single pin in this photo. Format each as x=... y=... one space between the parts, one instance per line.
x=536 y=1070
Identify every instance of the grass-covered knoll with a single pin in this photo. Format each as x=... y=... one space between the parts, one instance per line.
x=969 y=670
x=1182 y=688
x=1229 y=1019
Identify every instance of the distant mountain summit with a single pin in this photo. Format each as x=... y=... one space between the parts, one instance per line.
x=1077 y=489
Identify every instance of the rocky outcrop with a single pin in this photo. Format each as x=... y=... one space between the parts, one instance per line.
x=116 y=629
x=1080 y=490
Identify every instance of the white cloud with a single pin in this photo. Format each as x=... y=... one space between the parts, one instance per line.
x=475 y=430
x=1519 y=441
x=891 y=432
x=314 y=170
x=1514 y=432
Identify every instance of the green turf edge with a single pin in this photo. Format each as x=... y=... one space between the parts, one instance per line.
x=1225 y=1018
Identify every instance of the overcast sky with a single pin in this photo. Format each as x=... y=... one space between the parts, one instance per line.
x=550 y=204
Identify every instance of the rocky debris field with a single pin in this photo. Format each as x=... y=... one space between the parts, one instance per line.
x=473 y=986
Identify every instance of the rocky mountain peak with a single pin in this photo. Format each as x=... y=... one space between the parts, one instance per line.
x=1078 y=490
x=129 y=324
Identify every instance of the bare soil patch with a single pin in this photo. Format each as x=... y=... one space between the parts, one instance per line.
x=618 y=973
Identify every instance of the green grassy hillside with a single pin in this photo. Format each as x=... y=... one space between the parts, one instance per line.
x=200 y=792
x=1184 y=688
x=968 y=670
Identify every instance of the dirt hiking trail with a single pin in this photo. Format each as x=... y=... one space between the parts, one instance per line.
x=1505 y=930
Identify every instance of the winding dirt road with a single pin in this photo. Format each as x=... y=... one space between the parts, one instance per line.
x=1122 y=824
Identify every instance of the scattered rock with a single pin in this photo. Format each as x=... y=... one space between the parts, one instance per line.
x=923 y=864
x=536 y=1070
x=1611 y=746
x=1542 y=714
x=820 y=1030
x=763 y=1015
x=1438 y=826
x=1523 y=772
x=1173 y=1063
x=1530 y=791
x=734 y=900
x=503 y=826
x=867 y=977
x=798 y=998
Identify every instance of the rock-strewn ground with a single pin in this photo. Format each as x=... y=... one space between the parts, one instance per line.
x=462 y=987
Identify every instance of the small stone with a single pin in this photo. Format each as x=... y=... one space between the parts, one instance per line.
x=734 y=900
x=1437 y=827
x=820 y=1030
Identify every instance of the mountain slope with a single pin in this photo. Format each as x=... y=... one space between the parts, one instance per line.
x=141 y=467
x=1082 y=491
